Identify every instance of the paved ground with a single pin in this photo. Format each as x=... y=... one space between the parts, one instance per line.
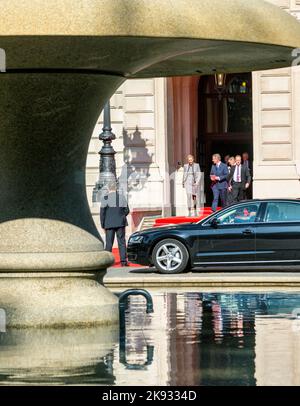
x=149 y=277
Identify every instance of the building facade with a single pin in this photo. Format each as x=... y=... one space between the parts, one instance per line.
x=158 y=122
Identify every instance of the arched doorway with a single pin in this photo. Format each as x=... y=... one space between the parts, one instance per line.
x=225 y=121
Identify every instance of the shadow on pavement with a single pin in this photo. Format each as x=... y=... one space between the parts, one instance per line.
x=147 y=270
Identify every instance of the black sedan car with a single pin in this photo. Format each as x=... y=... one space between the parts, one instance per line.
x=251 y=233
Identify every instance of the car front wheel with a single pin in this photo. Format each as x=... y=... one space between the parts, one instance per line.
x=170 y=256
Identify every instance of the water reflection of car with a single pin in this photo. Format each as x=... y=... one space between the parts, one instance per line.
x=257 y=233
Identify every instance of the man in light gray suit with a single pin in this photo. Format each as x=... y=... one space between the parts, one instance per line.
x=191 y=183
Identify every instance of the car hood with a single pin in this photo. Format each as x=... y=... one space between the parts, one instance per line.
x=165 y=228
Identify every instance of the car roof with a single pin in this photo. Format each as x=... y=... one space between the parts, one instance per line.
x=280 y=199
x=251 y=201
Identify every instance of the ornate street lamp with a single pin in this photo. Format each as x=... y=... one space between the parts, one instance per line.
x=107 y=166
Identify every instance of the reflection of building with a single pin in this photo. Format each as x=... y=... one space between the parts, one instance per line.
x=184 y=349
x=143 y=331
x=197 y=339
x=277 y=352
x=213 y=339
x=277 y=343
x=159 y=121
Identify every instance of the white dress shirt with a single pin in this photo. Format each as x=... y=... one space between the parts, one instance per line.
x=237 y=176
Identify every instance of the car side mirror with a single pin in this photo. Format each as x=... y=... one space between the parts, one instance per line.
x=214 y=223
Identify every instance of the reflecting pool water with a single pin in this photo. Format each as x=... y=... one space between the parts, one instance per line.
x=192 y=338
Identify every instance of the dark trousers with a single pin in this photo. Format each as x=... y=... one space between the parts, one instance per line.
x=219 y=194
x=238 y=192
x=110 y=238
x=229 y=200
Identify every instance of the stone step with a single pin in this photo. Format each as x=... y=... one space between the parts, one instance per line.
x=148 y=222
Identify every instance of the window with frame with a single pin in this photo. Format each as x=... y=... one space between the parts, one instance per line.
x=282 y=212
x=245 y=214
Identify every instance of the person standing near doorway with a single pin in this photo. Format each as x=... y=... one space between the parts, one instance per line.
x=113 y=217
x=246 y=162
x=226 y=159
x=231 y=163
x=218 y=176
x=239 y=180
x=191 y=183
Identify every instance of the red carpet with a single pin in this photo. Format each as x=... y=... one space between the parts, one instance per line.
x=117 y=263
x=206 y=211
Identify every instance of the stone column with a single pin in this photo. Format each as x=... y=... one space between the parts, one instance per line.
x=51 y=255
x=276 y=148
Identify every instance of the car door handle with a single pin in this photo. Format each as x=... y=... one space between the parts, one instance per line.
x=248 y=232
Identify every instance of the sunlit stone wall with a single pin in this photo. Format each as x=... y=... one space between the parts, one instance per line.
x=277 y=341
x=276 y=112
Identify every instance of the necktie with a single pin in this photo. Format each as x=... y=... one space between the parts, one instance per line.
x=239 y=173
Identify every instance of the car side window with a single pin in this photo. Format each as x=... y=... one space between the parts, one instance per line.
x=245 y=214
x=282 y=212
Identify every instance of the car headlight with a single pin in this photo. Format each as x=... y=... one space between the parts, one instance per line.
x=136 y=239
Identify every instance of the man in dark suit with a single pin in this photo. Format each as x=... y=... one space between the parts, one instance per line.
x=113 y=213
x=239 y=180
x=218 y=176
x=246 y=162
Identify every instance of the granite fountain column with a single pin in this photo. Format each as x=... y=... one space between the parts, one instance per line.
x=51 y=256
